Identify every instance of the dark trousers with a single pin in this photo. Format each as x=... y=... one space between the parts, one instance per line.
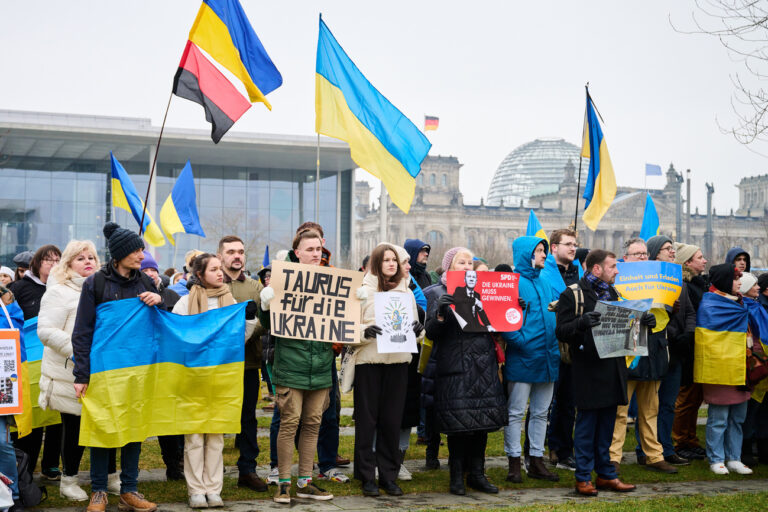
x=379 y=397
x=101 y=459
x=562 y=416
x=265 y=376
x=468 y=447
x=32 y=442
x=431 y=433
x=756 y=423
x=592 y=443
x=247 y=439
x=328 y=438
x=71 y=451
x=172 y=450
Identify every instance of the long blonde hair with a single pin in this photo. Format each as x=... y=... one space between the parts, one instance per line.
x=62 y=271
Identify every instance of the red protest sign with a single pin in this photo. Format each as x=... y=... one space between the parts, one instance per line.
x=485 y=301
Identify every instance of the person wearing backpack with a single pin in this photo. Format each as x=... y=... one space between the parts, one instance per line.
x=121 y=278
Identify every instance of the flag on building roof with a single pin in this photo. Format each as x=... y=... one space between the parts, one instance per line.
x=652 y=170
x=179 y=212
x=431 y=123
x=124 y=196
x=381 y=139
x=601 y=181
x=651 y=224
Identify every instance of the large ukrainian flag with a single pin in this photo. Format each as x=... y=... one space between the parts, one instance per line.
x=382 y=140
x=32 y=360
x=125 y=196
x=720 y=352
x=601 y=181
x=156 y=373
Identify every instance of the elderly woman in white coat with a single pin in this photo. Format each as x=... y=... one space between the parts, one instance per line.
x=58 y=309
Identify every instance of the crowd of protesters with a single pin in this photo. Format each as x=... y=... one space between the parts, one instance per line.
x=545 y=379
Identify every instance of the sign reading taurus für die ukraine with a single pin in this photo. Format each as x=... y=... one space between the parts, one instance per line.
x=315 y=303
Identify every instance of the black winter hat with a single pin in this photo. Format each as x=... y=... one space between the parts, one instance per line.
x=722 y=277
x=655 y=243
x=762 y=282
x=581 y=254
x=120 y=241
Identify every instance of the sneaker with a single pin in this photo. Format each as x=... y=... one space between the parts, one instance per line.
x=334 y=475
x=113 y=484
x=313 y=492
x=214 y=500
x=738 y=467
x=135 y=502
x=52 y=474
x=98 y=502
x=274 y=476
x=404 y=475
x=197 y=501
x=567 y=464
x=283 y=494
x=719 y=468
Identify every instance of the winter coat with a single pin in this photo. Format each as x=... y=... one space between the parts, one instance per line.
x=116 y=287
x=55 y=322
x=681 y=329
x=570 y=274
x=697 y=287
x=597 y=383
x=180 y=287
x=182 y=308
x=532 y=353
x=468 y=396
x=243 y=290
x=28 y=292
x=735 y=251
x=418 y=270
x=763 y=301
x=170 y=297
x=418 y=294
x=368 y=352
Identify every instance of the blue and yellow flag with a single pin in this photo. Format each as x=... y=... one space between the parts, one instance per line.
x=222 y=29
x=550 y=273
x=601 y=181
x=125 y=196
x=535 y=228
x=179 y=212
x=156 y=373
x=720 y=352
x=650 y=226
x=381 y=139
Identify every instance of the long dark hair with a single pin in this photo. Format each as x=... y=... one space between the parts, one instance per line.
x=199 y=264
x=376 y=262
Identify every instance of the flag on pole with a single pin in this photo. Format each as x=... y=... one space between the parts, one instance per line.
x=179 y=212
x=651 y=224
x=534 y=227
x=601 y=181
x=124 y=196
x=265 y=262
x=652 y=170
x=550 y=273
x=381 y=139
x=431 y=123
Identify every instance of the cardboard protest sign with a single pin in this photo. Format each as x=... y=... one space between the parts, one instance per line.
x=620 y=333
x=315 y=303
x=394 y=314
x=657 y=280
x=486 y=301
x=10 y=372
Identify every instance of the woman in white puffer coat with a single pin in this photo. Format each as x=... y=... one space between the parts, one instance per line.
x=58 y=309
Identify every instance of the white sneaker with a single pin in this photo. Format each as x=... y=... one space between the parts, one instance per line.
x=738 y=467
x=214 y=500
x=113 y=484
x=404 y=475
x=718 y=468
x=334 y=475
x=274 y=476
x=69 y=489
x=198 y=501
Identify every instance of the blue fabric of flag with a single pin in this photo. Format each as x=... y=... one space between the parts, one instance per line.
x=652 y=170
x=650 y=226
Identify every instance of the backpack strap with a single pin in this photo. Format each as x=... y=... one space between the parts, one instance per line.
x=578 y=295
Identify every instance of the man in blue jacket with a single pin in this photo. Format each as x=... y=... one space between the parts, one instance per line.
x=532 y=361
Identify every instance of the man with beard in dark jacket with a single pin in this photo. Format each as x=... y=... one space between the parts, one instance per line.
x=600 y=385
x=121 y=278
x=418 y=250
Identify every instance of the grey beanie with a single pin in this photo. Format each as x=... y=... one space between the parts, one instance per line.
x=121 y=241
x=655 y=243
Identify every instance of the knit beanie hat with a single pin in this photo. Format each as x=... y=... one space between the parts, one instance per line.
x=748 y=280
x=654 y=245
x=149 y=262
x=581 y=254
x=7 y=271
x=722 y=276
x=684 y=252
x=120 y=241
x=762 y=282
x=450 y=254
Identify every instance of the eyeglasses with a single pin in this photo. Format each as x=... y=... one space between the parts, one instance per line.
x=638 y=254
x=569 y=244
x=668 y=248
x=52 y=261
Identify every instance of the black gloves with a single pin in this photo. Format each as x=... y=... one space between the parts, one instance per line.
x=444 y=303
x=589 y=320
x=522 y=303
x=372 y=331
x=676 y=307
x=251 y=309
x=648 y=320
x=417 y=327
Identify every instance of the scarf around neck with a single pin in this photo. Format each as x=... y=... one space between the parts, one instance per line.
x=602 y=289
x=198 y=298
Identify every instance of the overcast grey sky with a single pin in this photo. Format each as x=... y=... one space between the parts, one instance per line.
x=498 y=74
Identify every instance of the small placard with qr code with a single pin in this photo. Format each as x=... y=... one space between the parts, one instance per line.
x=10 y=372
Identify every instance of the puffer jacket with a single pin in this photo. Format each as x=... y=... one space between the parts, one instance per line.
x=55 y=323
x=532 y=353
x=28 y=291
x=368 y=352
x=468 y=396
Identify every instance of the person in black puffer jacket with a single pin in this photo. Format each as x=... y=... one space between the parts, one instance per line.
x=469 y=400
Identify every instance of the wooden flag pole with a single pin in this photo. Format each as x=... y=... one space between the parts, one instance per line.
x=154 y=163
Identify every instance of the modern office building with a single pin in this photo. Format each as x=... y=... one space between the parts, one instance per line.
x=55 y=183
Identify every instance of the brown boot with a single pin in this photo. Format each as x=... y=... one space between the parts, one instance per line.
x=539 y=471
x=586 y=489
x=98 y=502
x=614 y=485
x=135 y=502
x=514 y=474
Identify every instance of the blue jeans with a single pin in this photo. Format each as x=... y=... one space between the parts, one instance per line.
x=540 y=394
x=724 y=433
x=8 y=457
x=668 y=391
x=129 y=468
x=562 y=415
x=247 y=439
x=592 y=443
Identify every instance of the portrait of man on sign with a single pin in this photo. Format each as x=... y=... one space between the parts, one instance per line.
x=469 y=306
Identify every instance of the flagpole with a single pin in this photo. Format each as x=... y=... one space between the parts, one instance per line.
x=578 y=182
x=317 y=182
x=154 y=162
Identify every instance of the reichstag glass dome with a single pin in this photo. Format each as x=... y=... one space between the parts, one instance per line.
x=536 y=167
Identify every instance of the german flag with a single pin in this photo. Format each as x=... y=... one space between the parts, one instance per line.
x=430 y=123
